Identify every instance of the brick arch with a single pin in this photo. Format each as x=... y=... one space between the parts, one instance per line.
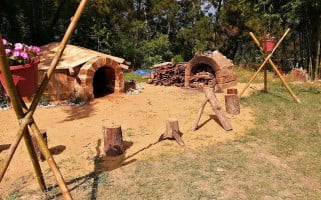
x=87 y=72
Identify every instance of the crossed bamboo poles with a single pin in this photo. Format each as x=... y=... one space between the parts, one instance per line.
x=268 y=59
x=25 y=114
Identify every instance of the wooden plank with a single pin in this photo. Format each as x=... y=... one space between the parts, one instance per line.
x=210 y=95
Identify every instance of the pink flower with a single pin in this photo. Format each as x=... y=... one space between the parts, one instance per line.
x=8 y=51
x=24 y=55
x=36 y=49
x=18 y=46
x=20 y=53
x=16 y=53
x=4 y=41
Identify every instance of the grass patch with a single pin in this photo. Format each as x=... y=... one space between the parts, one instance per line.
x=129 y=76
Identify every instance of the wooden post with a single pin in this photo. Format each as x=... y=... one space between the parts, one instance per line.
x=232 y=104
x=113 y=141
x=199 y=114
x=265 y=81
x=209 y=93
x=172 y=131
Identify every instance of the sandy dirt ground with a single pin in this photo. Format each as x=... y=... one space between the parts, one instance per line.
x=75 y=132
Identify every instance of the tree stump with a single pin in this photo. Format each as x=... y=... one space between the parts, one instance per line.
x=40 y=156
x=232 y=104
x=231 y=91
x=113 y=141
x=172 y=131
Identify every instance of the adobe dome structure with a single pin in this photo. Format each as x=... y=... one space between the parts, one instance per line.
x=81 y=73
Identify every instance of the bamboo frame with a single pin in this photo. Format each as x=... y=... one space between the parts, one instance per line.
x=25 y=115
x=268 y=59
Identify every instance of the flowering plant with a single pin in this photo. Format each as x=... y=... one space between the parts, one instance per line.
x=19 y=53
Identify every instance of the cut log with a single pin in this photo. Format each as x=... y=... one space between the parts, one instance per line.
x=172 y=131
x=231 y=91
x=209 y=93
x=113 y=141
x=40 y=156
x=232 y=104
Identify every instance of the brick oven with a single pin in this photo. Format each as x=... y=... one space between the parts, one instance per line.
x=212 y=69
x=81 y=73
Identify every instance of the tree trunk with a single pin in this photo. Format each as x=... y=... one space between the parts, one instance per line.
x=317 y=59
x=113 y=141
x=231 y=91
x=172 y=131
x=232 y=104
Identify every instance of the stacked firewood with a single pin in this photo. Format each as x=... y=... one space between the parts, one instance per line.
x=168 y=74
x=200 y=79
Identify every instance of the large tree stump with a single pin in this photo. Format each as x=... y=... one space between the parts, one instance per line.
x=113 y=141
x=209 y=93
x=40 y=156
x=172 y=131
x=232 y=104
x=231 y=91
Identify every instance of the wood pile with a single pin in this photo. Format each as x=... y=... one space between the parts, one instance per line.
x=168 y=74
x=173 y=74
x=213 y=70
x=200 y=79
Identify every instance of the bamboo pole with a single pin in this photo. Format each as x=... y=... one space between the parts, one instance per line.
x=276 y=70
x=17 y=105
x=29 y=114
x=268 y=58
x=35 y=101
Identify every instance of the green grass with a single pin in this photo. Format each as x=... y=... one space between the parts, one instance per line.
x=128 y=76
x=278 y=159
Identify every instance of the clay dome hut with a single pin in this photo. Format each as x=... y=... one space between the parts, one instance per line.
x=214 y=64
x=81 y=73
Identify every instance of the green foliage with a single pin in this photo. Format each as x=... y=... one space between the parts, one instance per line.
x=178 y=58
x=147 y=32
x=155 y=51
x=129 y=76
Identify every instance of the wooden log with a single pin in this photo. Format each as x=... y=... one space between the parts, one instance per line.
x=40 y=156
x=113 y=141
x=209 y=93
x=231 y=91
x=199 y=114
x=232 y=104
x=172 y=131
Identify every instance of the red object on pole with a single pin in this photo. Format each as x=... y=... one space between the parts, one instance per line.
x=268 y=45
